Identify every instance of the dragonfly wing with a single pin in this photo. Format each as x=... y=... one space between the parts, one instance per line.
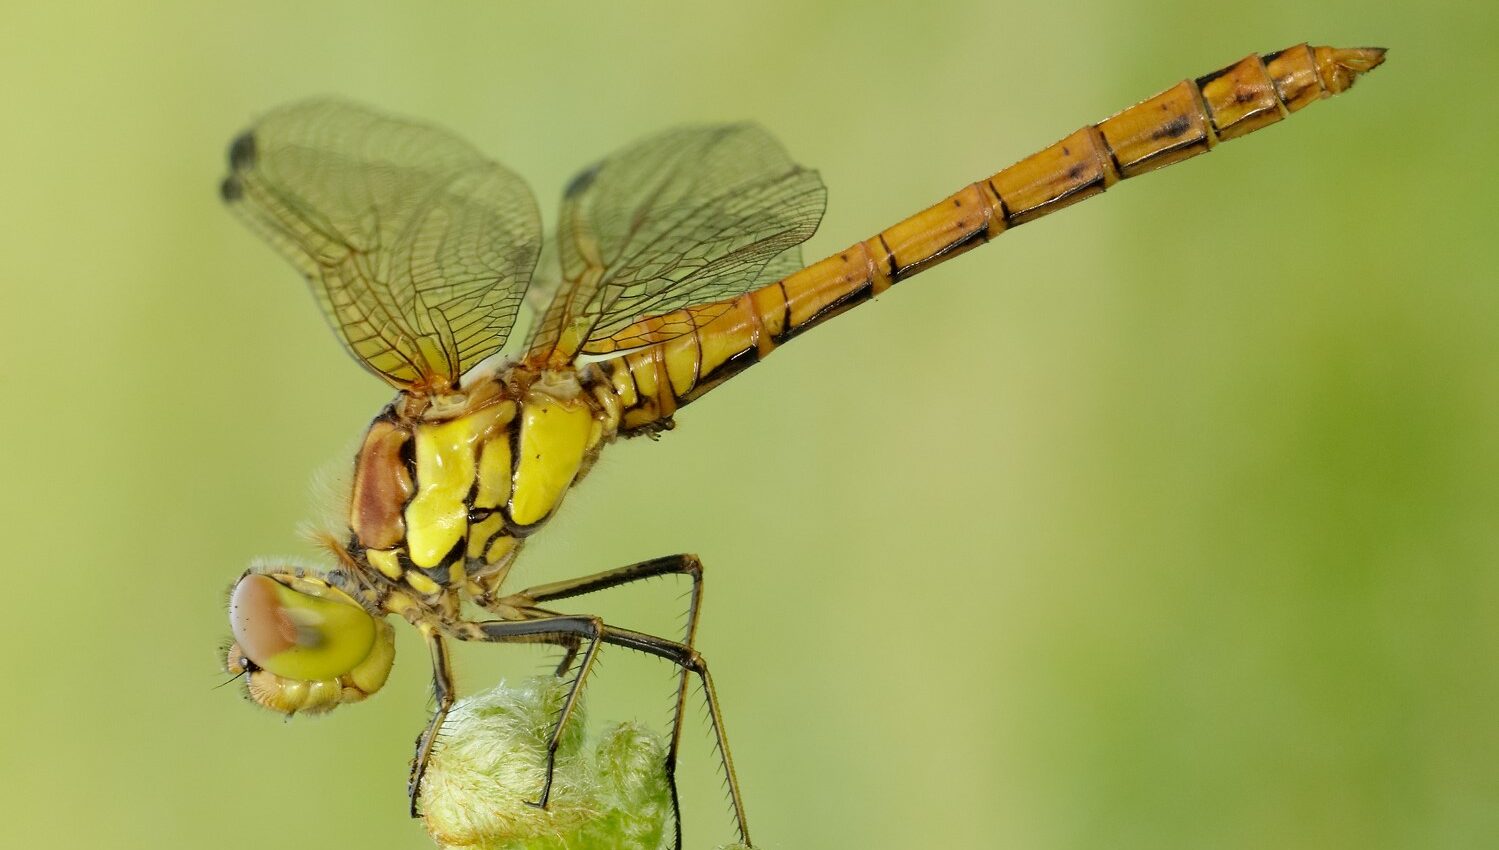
x=689 y=217
x=418 y=249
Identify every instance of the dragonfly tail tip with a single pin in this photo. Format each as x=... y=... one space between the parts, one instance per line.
x=1362 y=59
x=1341 y=66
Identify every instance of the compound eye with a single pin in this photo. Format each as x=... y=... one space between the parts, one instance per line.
x=297 y=635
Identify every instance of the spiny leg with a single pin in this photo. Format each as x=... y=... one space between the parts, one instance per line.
x=570 y=648
x=680 y=564
x=546 y=628
x=681 y=654
x=689 y=660
x=442 y=693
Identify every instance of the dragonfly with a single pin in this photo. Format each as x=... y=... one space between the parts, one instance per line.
x=674 y=266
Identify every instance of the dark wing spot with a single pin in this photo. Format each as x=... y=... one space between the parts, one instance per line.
x=1175 y=129
x=242 y=151
x=231 y=190
x=581 y=181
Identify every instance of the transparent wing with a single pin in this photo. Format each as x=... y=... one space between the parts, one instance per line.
x=418 y=249
x=685 y=218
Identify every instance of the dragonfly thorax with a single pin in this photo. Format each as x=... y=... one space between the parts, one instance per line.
x=447 y=488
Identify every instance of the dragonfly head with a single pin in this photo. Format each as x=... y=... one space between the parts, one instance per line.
x=302 y=644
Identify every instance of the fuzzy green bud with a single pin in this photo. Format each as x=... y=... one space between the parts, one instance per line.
x=491 y=763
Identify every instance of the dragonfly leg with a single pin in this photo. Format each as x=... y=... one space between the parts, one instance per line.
x=442 y=695
x=566 y=629
x=681 y=564
x=687 y=565
x=570 y=649
x=681 y=653
x=690 y=661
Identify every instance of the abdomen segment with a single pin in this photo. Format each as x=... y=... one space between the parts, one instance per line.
x=1180 y=122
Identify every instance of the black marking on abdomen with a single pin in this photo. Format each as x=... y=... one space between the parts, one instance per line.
x=1004 y=208
x=634 y=384
x=736 y=363
x=1200 y=141
x=889 y=259
x=843 y=302
x=1208 y=78
x=1174 y=129
x=1046 y=206
x=1109 y=149
x=980 y=234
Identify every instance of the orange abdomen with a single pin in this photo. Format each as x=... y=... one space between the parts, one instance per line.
x=1181 y=122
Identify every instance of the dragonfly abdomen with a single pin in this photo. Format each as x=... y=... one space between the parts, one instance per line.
x=1177 y=124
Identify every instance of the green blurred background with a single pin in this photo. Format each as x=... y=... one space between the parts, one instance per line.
x=1169 y=522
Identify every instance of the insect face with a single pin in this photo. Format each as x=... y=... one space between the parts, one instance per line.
x=304 y=645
